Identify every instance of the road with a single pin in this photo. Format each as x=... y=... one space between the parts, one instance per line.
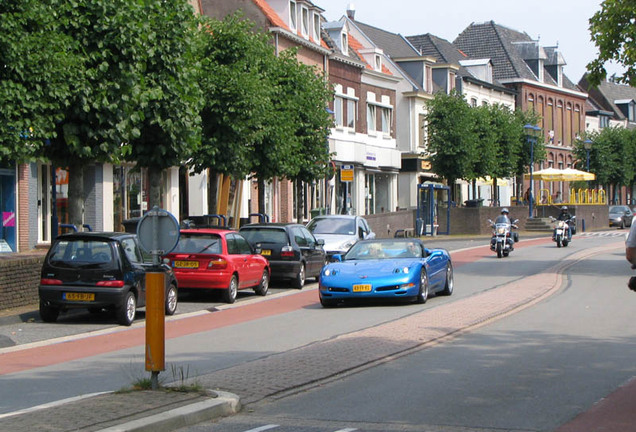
x=535 y=369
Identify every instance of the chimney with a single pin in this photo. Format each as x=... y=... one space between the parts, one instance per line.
x=351 y=12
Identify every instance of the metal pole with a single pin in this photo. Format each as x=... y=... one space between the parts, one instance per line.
x=531 y=181
x=588 y=160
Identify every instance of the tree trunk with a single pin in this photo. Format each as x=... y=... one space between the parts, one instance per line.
x=154 y=178
x=213 y=187
x=261 y=196
x=76 y=194
x=495 y=192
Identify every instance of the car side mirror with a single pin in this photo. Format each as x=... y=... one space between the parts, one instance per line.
x=515 y=221
x=361 y=233
x=336 y=258
x=320 y=242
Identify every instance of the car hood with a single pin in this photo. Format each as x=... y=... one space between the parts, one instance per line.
x=336 y=242
x=372 y=268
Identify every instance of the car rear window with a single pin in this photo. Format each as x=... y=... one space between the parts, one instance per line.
x=198 y=243
x=265 y=235
x=333 y=226
x=82 y=253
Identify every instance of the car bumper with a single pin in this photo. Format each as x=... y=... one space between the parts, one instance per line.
x=54 y=295
x=203 y=280
x=396 y=291
x=284 y=269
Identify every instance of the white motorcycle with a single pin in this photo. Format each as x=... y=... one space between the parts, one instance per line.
x=561 y=234
x=502 y=240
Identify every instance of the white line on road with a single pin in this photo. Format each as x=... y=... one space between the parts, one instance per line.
x=263 y=428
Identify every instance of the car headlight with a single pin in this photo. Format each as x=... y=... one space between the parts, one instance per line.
x=330 y=272
x=404 y=270
x=407 y=285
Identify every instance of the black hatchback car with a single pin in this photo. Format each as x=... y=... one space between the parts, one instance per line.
x=292 y=251
x=98 y=270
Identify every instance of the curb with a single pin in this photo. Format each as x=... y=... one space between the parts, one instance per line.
x=223 y=404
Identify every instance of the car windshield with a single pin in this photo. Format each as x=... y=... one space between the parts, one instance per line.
x=384 y=250
x=82 y=253
x=617 y=209
x=335 y=225
x=265 y=235
x=198 y=243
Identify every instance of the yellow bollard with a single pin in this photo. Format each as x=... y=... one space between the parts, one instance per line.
x=155 y=325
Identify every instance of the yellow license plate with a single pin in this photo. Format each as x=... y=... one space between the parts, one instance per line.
x=186 y=264
x=266 y=252
x=79 y=296
x=362 y=288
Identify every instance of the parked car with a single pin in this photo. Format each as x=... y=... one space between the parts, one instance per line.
x=217 y=258
x=98 y=270
x=620 y=216
x=390 y=269
x=292 y=251
x=339 y=232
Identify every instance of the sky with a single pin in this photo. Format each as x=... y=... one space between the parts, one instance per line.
x=553 y=22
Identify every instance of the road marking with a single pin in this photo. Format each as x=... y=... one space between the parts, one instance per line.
x=52 y=404
x=263 y=428
x=347 y=430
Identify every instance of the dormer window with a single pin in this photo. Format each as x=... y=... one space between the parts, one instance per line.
x=344 y=43
x=304 y=21
x=293 y=15
x=316 y=28
x=378 y=62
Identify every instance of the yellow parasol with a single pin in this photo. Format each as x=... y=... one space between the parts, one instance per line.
x=553 y=174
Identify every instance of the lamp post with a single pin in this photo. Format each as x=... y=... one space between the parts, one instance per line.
x=587 y=144
x=530 y=132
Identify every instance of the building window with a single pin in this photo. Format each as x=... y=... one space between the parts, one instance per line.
x=337 y=109
x=603 y=121
x=344 y=43
x=549 y=116
x=293 y=15
x=351 y=113
x=378 y=62
x=473 y=102
x=559 y=125
x=567 y=138
x=371 y=118
x=451 y=81
x=386 y=120
x=531 y=103
x=428 y=79
x=317 y=27
x=304 y=21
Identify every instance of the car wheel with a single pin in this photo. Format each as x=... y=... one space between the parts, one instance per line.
x=125 y=313
x=49 y=313
x=422 y=295
x=263 y=286
x=450 y=283
x=171 y=300
x=229 y=295
x=299 y=282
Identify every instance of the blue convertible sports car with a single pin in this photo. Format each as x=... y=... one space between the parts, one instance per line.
x=386 y=269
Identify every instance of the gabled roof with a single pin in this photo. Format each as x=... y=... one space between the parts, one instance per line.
x=440 y=49
x=608 y=94
x=496 y=42
x=394 y=45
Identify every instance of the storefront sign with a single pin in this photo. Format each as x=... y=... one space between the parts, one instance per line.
x=8 y=219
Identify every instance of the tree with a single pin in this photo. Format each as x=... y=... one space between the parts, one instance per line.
x=235 y=64
x=39 y=69
x=451 y=137
x=613 y=31
x=530 y=149
x=168 y=99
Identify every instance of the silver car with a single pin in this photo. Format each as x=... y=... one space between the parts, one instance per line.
x=340 y=232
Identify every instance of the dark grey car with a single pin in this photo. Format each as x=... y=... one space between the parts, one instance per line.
x=292 y=251
x=620 y=216
x=98 y=270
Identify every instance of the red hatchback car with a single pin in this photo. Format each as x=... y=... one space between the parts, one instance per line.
x=213 y=258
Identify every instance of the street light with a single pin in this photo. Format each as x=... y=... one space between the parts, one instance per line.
x=530 y=133
x=587 y=144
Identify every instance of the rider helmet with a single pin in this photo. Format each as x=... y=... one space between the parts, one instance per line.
x=564 y=209
x=504 y=211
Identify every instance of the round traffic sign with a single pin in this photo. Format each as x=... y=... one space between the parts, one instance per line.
x=158 y=232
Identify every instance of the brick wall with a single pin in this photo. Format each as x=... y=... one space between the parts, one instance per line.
x=19 y=278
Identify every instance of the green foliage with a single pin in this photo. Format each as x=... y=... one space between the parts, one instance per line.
x=613 y=31
x=612 y=155
x=39 y=68
x=451 y=136
x=525 y=150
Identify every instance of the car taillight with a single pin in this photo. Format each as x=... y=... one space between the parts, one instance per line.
x=287 y=252
x=111 y=283
x=217 y=263
x=50 y=282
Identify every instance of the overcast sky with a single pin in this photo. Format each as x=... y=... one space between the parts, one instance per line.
x=562 y=22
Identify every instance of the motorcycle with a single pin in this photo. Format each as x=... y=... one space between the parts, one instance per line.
x=562 y=228
x=503 y=239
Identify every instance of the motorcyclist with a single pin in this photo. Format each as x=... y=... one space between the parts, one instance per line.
x=505 y=218
x=566 y=216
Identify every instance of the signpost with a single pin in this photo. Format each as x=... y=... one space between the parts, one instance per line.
x=158 y=233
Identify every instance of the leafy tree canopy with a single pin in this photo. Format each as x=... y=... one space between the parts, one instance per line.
x=613 y=30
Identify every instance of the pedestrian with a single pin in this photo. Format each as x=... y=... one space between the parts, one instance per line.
x=630 y=254
x=526 y=197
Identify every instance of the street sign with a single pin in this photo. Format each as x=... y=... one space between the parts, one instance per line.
x=158 y=232
x=346 y=173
